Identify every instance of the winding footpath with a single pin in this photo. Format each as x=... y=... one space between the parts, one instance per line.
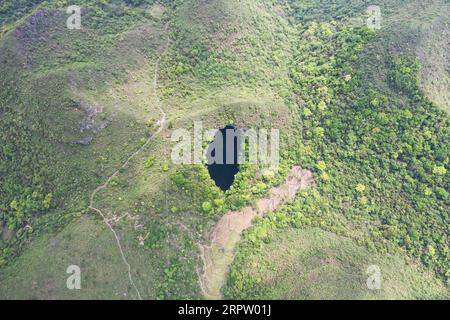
x=161 y=123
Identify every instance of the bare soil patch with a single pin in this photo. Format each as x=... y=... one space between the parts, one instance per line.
x=218 y=253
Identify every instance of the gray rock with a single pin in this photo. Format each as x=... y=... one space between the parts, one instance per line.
x=84 y=141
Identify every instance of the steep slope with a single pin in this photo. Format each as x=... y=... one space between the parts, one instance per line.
x=81 y=102
x=310 y=263
x=356 y=92
x=109 y=83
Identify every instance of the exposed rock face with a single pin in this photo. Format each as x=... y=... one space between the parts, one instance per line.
x=36 y=29
x=88 y=123
x=84 y=141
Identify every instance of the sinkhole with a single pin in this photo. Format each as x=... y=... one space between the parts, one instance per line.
x=223 y=157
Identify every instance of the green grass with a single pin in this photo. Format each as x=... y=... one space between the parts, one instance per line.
x=40 y=273
x=310 y=263
x=46 y=103
x=258 y=64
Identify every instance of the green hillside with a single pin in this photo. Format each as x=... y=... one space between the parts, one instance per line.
x=310 y=263
x=86 y=119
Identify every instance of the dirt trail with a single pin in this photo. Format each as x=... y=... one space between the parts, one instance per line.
x=161 y=125
x=218 y=254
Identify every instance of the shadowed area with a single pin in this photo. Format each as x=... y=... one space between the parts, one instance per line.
x=221 y=170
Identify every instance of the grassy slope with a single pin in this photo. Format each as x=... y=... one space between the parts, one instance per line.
x=419 y=30
x=118 y=82
x=144 y=195
x=398 y=37
x=208 y=73
x=41 y=272
x=417 y=27
x=310 y=263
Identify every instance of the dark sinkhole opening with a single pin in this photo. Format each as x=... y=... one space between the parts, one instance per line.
x=223 y=157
